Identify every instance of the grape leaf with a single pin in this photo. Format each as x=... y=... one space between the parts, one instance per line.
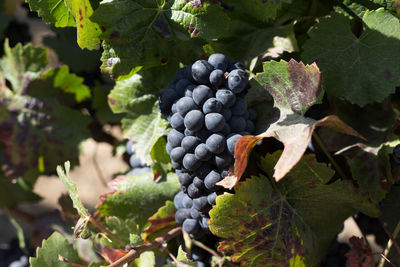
x=149 y=33
x=292 y=226
x=263 y=10
x=53 y=11
x=48 y=255
x=161 y=222
x=22 y=64
x=39 y=129
x=361 y=70
x=122 y=228
x=137 y=197
x=88 y=32
x=161 y=160
x=295 y=87
x=15 y=193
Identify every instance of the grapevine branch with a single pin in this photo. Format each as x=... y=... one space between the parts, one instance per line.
x=135 y=252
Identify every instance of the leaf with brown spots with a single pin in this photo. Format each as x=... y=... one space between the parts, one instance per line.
x=360 y=255
x=161 y=222
x=290 y=223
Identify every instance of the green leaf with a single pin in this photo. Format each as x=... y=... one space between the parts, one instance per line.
x=101 y=106
x=146 y=259
x=290 y=223
x=200 y=18
x=359 y=69
x=294 y=86
x=15 y=193
x=145 y=130
x=123 y=228
x=144 y=33
x=161 y=160
x=161 y=222
x=48 y=255
x=88 y=32
x=53 y=11
x=81 y=226
x=138 y=197
x=263 y=10
x=22 y=64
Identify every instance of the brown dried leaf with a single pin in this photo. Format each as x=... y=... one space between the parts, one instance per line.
x=360 y=255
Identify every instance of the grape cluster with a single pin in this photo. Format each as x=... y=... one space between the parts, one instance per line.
x=208 y=113
x=137 y=166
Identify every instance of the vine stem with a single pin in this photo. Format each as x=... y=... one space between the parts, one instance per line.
x=392 y=241
x=104 y=230
x=135 y=253
x=328 y=155
x=209 y=250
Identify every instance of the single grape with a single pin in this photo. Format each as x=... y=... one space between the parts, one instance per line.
x=177 y=122
x=237 y=80
x=195 y=214
x=176 y=165
x=178 y=200
x=227 y=113
x=198 y=182
x=134 y=161
x=166 y=100
x=177 y=154
x=185 y=178
x=224 y=173
x=201 y=93
x=129 y=149
x=214 y=122
x=184 y=105
x=212 y=105
x=219 y=61
x=237 y=124
x=201 y=70
x=190 y=162
x=201 y=152
x=231 y=142
x=193 y=191
x=250 y=126
x=180 y=216
x=187 y=202
x=252 y=114
x=194 y=120
x=211 y=198
x=173 y=107
x=216 y=143
x=189 y=143
x=217 y=78
x=200 y=203
x=180 y=87
x=240 y=107
x=190 y=226
x=211 y=179
x=226 y=97
x=175 y=138
x=223 y=159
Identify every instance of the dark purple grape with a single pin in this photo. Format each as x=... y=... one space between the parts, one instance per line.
x=195 y=214
x=226 y=97
x=189 y=90
x=203 y=134
x=227 y=113
x=190 y=162
x=177 y=154
x=175 y=138
x=211 y=198
x=189 y=143
x=184 y=105
x=212 y=105
x=237 y=124
x=252 y=114
x=227 y=130
x=231 y=142
x=193 y=191
x=185 y=178
x=176 y=165
x=223 y=160
x=187 y=202
x=194 y=120
x=177 y=122
x=219 y=61
x=203 y=170
x=198 y=182
x=201 y=93
x=216 y=143
x=200 y=203
x=178 y=200
x=180 y=87
x=214 y=122
x=237 y=80
x=201 y=152
x=204 y=222
x=190 y=226
x=181 y=216
x=217 y=78
x=240 y=107
x=211 y=179
x=250 y=126
x=201 y=70
x=166 y=100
